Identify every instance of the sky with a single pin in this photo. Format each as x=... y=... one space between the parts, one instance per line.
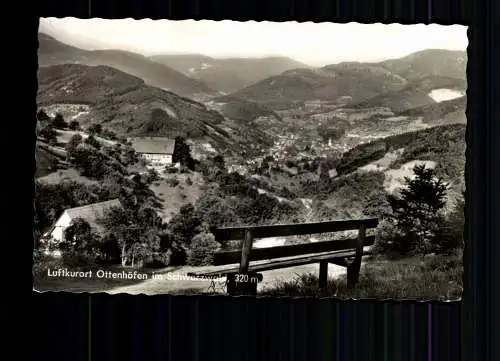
x=315 y=44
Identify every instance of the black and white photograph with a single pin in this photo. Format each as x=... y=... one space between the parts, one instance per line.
x=250 y=158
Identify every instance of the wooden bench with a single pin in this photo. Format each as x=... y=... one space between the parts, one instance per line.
x=243 y=279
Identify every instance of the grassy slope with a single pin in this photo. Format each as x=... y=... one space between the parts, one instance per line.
x=127 y=105
x=174 y=197
x=414 y=278
x=327 y=83
x=46 y=163
x=240 y=110
x=62 y=175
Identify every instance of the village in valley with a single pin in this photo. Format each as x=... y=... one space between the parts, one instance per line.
x=146 y=162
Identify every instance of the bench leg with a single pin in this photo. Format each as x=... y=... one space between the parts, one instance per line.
x=353 y=274
x=323 y=274
x=354 y=267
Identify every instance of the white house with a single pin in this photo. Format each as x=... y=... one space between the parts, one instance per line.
x=90 y=213
x=157 y=151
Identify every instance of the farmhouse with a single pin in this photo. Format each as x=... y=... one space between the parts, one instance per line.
x=90 y=213
x=157 y=151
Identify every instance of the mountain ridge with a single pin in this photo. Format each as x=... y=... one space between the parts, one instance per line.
x=227 y=74
x=359 y=81
x=54 y=52
x=122 y=102
x=130 y=107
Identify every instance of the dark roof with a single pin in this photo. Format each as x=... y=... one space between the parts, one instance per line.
x=153 y=145
x=91 y=212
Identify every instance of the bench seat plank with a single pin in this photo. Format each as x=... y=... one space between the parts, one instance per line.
x=259 y=254
x=282 y=263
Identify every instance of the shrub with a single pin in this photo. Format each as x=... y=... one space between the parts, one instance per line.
x=215 y=210
x=202 y=250
x=176 y=255
x=49 y=134
x=388 y=240
x=218 y=161
x=93 y=142
x=286 y=193
x=449 y=235
x=73 y=143
x=152 y=176
x=184 y=225
x=171 y=170
x=59 y=122
x=42 y=116
x=94 y=129
x=173 y=182
x=376 y=204
x=108 y=134
x=74 y=125
x=91 y=163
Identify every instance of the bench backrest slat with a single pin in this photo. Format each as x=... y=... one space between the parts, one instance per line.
x=259 y=254
x=284 y=230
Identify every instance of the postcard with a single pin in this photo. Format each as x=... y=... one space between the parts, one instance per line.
x=250 y=158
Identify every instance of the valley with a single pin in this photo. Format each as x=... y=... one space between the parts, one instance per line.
x=251 y=133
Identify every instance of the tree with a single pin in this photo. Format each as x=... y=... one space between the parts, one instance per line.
x=93 y=142
x=95 y=129
x=74 y=125
x=90 y=162
x=152 y=176
x=219 y=162
x=136 y=232
x=185 y=225
x=42 y=116
x=108 y=134
x=81 y=244
x=182 y=154
x=128 y=156
x=214 y=210
x=49 y=134
x=202 y=249
x=73 y=143
x=59 y=122
x=416 y=213
x=376 y=204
